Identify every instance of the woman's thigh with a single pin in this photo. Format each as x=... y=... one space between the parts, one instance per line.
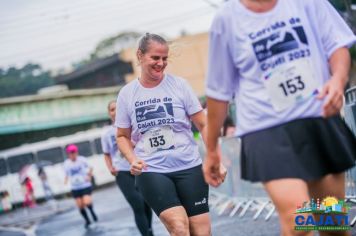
x=158 y=190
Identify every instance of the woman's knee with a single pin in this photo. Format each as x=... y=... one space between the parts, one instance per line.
x=87 y=200
x=176 y=221
x=200 y=225
x=79 y=203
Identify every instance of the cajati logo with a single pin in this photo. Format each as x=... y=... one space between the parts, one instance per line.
x=327 y=214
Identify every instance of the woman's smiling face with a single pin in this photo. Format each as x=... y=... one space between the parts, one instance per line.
x=154 y=61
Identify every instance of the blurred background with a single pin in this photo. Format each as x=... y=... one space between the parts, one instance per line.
x=62 y=61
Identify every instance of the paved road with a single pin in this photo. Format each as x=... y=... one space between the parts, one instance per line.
x=116 y=218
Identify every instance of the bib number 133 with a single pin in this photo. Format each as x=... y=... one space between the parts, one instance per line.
x=158 y=139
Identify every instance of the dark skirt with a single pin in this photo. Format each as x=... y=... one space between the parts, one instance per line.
x=81 y=192
x=306 y=149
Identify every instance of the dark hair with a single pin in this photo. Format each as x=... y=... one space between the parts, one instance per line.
x=145 y=40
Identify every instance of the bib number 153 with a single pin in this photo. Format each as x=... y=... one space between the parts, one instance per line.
x=291 y=86
x=290 y=83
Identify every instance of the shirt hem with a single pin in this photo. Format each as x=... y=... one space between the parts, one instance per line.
x=218 y=96
x=173 y=169
x=345 y=43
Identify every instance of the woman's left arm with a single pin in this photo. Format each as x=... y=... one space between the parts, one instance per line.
x=333 y=90
x=200 y=121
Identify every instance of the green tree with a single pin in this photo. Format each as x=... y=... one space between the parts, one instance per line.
x=110 y=46
x=23 y=81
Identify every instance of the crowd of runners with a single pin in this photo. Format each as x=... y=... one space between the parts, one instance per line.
x=285 y=63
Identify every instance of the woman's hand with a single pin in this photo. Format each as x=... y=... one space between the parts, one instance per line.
x=333 y=90
x=137 y=166
x=88 y=178
x=113 y=171
x=214 y=171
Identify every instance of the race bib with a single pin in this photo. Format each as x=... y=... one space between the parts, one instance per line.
x=291 y=83
x=158 y=139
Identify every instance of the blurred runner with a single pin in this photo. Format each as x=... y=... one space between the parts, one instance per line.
x=154 y=113
x=287 y=64
x=79 y=174
x=46 y=188
x=30 y=200
x=120 y=168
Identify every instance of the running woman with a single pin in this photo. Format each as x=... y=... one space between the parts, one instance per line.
x=287 y=64
x=120 y=168
x=154 y=113
x=79 y=174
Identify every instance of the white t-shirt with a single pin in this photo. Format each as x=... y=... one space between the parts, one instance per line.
x=77 y=172
x=159 y=118
x=275 y=62
x=109 y=145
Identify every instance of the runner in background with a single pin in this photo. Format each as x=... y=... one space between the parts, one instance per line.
x=154 y=113
x=46 y=188
x=120 y=168
x=287 y=64
x=30 y=200
x=79 y=174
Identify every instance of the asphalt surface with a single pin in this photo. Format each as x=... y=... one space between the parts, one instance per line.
x=116 y=218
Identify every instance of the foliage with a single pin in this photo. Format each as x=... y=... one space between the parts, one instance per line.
x=110 y=46
x=23 y=81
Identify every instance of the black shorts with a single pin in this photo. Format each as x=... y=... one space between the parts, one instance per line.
x=306 y=149
x=185 y=188
x=81 y=192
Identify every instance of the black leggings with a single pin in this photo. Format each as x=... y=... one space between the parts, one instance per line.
x=142 y=212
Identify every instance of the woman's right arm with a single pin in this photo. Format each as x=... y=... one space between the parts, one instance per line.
x=126 y=148
x=109 y=165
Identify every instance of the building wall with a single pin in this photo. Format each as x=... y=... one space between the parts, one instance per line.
x=187 y=58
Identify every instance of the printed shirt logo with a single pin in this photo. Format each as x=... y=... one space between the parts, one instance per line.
x=282 y=51
x=154 y=112
x=76 y=170
x=113 y=142
x=279 y=42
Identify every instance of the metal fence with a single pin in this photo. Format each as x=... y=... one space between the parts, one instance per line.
x=350 y=119
x=236 y=196
x=350 y=108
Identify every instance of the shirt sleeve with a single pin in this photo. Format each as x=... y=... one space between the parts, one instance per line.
x=122 y=118
x=104 y=144
x=191 y=101
x=221 y=75
x=66 y=170
x=334 y=31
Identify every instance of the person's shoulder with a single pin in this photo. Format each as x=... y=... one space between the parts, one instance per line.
x=106 y=131
x=223 y=14
x=225 y=8
x=66 y=163
x=128 y=87
x=174 y=78
x=306 y=3
x=177 y=81
x=81 y=158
